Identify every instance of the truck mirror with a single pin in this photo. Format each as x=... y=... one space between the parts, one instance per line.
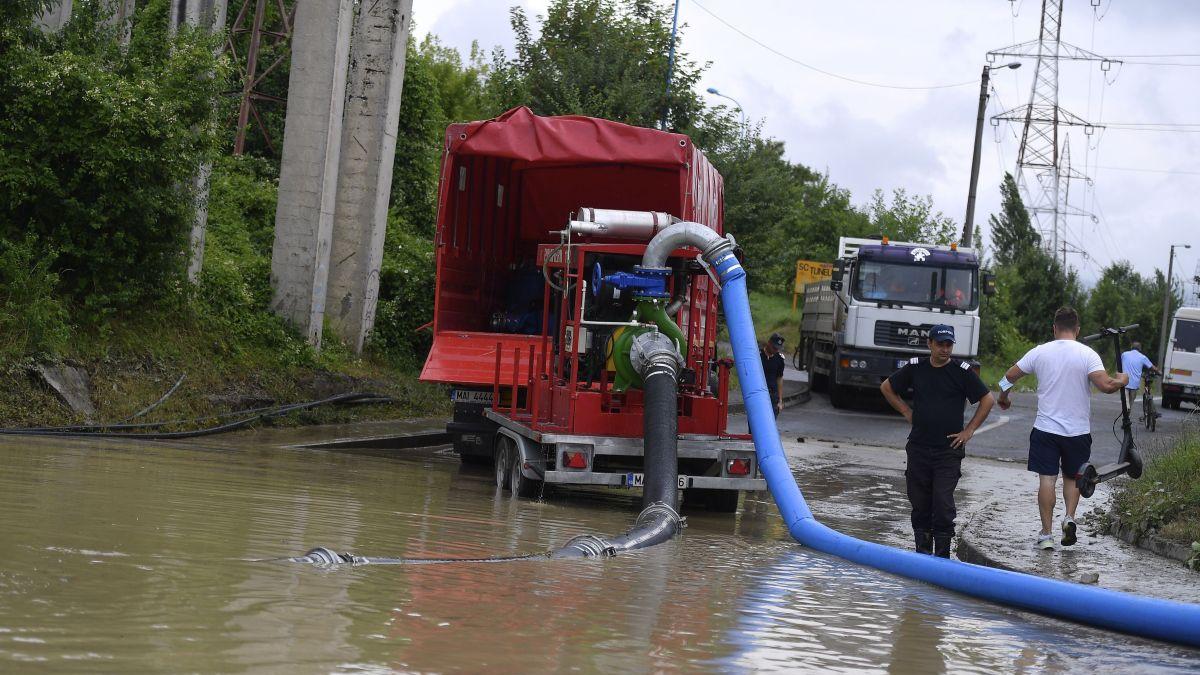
x=989 y=283
x=839 y=270
x=835 y=284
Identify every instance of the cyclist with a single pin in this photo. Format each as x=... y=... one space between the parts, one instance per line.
x=1132 y=362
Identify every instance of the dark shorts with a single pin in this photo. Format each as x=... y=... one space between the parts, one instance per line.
x=1049 y=453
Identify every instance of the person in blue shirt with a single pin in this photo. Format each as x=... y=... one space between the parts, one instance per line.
x=1132 y=363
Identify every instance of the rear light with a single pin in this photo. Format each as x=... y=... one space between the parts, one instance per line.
x=845 y=363
x=574 y=460
x=738 y=466
x=1181 y=371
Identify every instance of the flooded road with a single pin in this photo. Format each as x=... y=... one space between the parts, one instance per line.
x=125 y=557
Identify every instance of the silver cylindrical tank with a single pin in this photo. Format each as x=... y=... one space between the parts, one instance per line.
x=617 y=224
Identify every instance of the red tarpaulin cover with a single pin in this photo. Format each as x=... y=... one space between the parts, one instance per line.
x=520 y=135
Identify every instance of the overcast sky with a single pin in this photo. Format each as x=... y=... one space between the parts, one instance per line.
x=867 y=137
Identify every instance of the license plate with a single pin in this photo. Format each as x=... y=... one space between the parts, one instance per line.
x=900 y=363
x=639 y=480
x=471 y=396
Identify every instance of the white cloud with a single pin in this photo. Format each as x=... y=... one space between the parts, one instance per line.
x=872 y=137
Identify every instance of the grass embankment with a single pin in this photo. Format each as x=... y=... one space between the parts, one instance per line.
x=1166 y=499
x=134 y=362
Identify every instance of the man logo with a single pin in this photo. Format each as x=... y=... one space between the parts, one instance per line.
x=920 y=254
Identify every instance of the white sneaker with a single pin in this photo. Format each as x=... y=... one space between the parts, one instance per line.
x=1068 y=529
x=1045 y=542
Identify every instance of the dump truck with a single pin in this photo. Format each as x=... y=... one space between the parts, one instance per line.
x=541 y=224
x=876 y=310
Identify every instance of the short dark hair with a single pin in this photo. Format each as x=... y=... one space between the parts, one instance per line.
x=1136 y=346
x=1066 y=318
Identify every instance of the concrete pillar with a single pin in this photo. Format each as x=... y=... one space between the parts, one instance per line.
x=376 y=78
x=122 y=17
x=53 y=19
x=209 y=14
x=308 y=175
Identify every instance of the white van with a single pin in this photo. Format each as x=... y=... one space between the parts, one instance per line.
x=1182 y=368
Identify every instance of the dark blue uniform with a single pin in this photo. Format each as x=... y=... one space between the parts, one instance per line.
x=939 y=398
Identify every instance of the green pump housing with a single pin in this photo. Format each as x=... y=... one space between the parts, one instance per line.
x=647 y=310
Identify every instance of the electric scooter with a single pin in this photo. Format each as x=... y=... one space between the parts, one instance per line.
x=1128 y=460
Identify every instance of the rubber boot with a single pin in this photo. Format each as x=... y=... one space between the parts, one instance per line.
x=924 y=539
x=941 y=545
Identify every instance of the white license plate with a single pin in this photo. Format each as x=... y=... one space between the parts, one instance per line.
x=900 y=363
x=639 y=480
x=471 y=396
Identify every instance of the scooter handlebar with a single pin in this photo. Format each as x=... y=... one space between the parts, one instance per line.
x=1108 y=331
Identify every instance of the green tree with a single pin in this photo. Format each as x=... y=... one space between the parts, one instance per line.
x=1012 y=232
x=909 y=218
x=98 y=147
x=1122 y=297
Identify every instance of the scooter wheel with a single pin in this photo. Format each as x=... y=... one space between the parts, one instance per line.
x=1135 y=464
x=1087 y=480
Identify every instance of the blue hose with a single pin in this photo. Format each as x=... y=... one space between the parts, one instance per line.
x=1149 y=617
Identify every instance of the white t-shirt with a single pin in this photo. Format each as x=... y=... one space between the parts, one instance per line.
x=1062 y=368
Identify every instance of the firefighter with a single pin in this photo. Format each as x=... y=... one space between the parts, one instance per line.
x=940 y=386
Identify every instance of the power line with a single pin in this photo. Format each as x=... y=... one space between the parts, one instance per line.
x=1138 y=170
x=813 y=68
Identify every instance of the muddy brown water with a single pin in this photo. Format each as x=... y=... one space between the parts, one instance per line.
x=134 y=557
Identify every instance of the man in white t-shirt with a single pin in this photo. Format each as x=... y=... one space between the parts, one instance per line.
x=1061 y=437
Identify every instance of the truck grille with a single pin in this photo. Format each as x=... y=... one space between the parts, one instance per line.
x=901 y=334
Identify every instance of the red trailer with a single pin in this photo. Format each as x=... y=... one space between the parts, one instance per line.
x=532 y=212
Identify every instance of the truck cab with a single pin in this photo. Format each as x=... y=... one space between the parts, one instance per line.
x=876 y=311
x=1181 y=368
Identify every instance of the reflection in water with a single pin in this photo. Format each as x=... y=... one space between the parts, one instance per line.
x=142 y=557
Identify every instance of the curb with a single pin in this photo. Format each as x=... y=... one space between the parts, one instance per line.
x=1150 y=541
x=969 y=553
x=798 y=397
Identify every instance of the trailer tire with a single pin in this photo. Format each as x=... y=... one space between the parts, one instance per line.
x=1170 y=403
x=503 y=460
x=521 y=486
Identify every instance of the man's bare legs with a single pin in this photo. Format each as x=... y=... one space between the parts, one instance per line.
x=1046 y=499
x=1070 y=497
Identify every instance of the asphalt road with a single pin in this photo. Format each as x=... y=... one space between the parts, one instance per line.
x=1005 y=434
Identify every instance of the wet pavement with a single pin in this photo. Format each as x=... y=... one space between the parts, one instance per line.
x=126 y=557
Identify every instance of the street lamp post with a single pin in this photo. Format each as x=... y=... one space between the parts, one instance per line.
x=969 y=221
x=1162 y=335
x=741 y=111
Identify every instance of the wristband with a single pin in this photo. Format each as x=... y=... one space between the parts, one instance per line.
x=1005 y=385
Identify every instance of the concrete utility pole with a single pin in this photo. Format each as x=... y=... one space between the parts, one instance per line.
x=1162 y=335
x=969 y=220
x=311 y=157
x=372 y=115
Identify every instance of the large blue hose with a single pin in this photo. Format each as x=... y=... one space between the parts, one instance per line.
x=1149 y=617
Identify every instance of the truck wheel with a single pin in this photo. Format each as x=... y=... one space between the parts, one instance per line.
x=841 y=396
x=521 y=486
x=503 y=460
x=1170 y=403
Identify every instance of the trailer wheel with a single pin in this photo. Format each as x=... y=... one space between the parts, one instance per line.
x=521 y=486
x=503 y=460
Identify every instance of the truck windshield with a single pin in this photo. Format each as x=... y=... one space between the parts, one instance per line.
x=1187 y=336
x=933 y=285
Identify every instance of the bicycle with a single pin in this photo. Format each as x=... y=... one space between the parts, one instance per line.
x=1149 y=413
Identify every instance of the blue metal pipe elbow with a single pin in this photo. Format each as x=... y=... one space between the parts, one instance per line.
x=1149 y=617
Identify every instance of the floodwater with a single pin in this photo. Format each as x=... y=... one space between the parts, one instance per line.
x=128 y=557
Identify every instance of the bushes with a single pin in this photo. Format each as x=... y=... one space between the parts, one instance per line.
x=406 y=284
x=32 y=320
x=1167 y=496
x=98 y=150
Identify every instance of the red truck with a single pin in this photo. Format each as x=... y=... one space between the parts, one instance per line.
x=539 y=219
